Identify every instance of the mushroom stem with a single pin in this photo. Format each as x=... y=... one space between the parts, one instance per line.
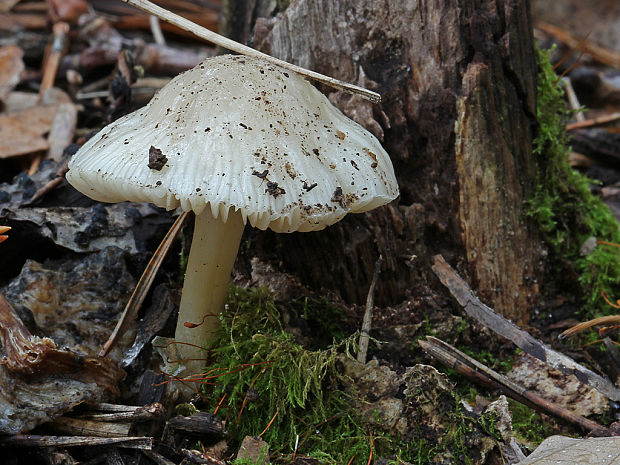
x=212 y=255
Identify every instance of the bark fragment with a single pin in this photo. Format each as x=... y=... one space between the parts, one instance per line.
x=39 y=381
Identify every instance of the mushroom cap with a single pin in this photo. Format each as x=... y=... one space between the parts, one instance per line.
x=239 y=132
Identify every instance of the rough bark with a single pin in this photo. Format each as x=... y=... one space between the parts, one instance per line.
x=458 y=80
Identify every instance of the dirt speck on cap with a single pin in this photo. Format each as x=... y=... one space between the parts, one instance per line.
x=157 y=159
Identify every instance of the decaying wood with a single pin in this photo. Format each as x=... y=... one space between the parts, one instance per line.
x=505 y=328
x=39 y=381
x=111 y=413
x=29 y=440
x=199 y=424
x=458 y=83
x=157 y=458
x=82 y=427
x=599 y=144
x=483 y=375
x=194 y=456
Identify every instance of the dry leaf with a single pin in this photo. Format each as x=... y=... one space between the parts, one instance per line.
x=560 y=450
x=62 y=130
x=22 y=132
x=11 y=67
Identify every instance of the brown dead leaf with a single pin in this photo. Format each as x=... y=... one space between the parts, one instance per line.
x=23 y=131
x=11 y=67
x=24 y=126
x=62 y=130
x=18 y=100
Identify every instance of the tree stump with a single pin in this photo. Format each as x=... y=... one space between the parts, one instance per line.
x=458 y=81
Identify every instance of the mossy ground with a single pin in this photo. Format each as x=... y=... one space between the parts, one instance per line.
x=289 y=394
x=267 y=375
x=566 y=210
x=528 y=425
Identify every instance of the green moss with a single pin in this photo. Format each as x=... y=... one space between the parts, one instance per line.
x=563 y=205
x=528 y=425
x=262 y=370
x=256 y=359
x=186 y=409
x=324 y=319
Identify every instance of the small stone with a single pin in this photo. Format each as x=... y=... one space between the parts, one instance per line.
x=588 y=246
x=254 y=449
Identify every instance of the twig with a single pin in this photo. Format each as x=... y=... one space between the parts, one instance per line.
x=219 y=404
x=52 y=60
x=370 y=305
x=483 y=375
x=603 y=320
x=143 y=286
x=372 y=449
x=526 y=342
x=158 y=36
x=60 y=176
x=29 y=440
x=229 y=44
x=594 y=121
x=245 y=399
x=573 y=101
x=50 y=68
x=269 y=424
x=130 y=414
x=295 y=450
x=599 y=54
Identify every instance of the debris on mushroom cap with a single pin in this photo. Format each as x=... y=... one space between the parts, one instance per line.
x=238 y=132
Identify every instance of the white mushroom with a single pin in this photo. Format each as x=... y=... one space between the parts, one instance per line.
x=235 y=139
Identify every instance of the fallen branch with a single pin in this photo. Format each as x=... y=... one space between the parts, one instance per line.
x=526 y=342
x=483 y=375
x=28 y=440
